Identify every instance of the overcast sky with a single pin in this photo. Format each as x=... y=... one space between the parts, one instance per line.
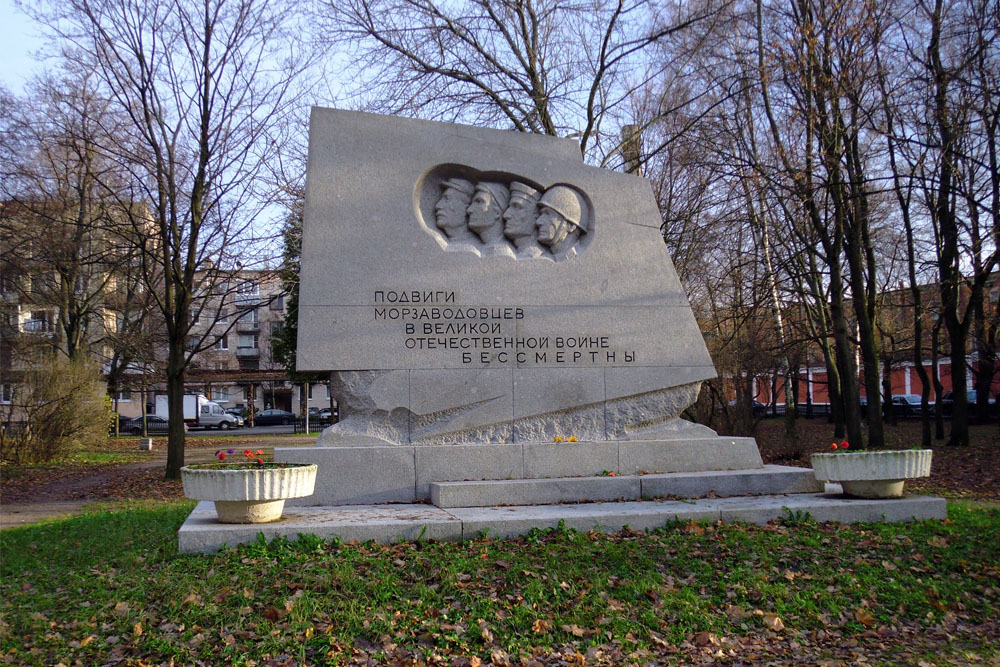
x=18 y=38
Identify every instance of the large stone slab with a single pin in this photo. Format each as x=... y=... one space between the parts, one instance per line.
x=373 y=471
x=391 y=523
x=477 y=286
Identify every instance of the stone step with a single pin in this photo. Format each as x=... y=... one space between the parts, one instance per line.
x=770 y=479
x=390 y=523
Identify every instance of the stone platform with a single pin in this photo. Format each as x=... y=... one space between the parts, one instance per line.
x=412 y=521
x=404 y=473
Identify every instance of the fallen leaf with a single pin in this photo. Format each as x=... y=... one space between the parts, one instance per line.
x=773 y=622
x=707 y=639
x=86 y=640
x=864 y=616
x=573 y=629
x=737 y=613
x=541 y=626
x=137 y=629
x=121 y=608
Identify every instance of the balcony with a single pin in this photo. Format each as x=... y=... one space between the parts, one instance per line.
x=37 y=326
x=248 y=352
x=251 y=327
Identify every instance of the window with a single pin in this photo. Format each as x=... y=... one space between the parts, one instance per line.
x=249 y=341
x=6 y=393
x=223 y=343
x=278 y=304
x=223 y=316
x=276 y=329
x=220 y=394
x=124 y=396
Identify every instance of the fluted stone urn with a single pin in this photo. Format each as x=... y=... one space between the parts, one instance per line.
x=246 y=493
x=872 y=474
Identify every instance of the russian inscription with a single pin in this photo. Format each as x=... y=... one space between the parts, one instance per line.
x=486 y=335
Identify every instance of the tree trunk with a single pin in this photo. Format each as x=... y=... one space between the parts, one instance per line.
x=175 y=402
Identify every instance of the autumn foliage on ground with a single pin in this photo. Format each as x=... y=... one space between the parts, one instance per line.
x=109 y=588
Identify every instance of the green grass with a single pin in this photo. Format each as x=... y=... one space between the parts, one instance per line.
x=110 y=585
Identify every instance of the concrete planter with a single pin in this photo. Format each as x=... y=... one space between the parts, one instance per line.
x=872 y=474
x=248 y=494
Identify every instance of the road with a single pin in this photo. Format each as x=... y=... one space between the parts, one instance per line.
x=257 y=430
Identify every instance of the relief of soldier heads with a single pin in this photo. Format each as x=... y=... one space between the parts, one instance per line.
x=511 y=217
x=489 y=201
x=450 y=210
x=560 y=217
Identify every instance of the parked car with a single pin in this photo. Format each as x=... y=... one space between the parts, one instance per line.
x=326 y=416
x=759 y=409
x=272 y=417
x=908 y=405
x=155 y=424
x=238 y=414
x=948 y=399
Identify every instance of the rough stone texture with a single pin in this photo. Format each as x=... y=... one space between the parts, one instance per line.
x=555 y=344
x=390 y=523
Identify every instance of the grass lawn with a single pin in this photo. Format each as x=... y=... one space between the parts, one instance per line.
x=110 y=587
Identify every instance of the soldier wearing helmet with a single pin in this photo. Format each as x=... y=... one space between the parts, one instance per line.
x=561 y=219
x=450 y=209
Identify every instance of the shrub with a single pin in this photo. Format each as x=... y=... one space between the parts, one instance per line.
x=58 y=406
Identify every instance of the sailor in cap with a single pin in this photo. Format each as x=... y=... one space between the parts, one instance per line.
x=519 y=220
x=450 y=209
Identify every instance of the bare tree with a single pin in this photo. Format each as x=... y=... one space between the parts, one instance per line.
x=541 y=66
x=206 y=86
x=63 y=222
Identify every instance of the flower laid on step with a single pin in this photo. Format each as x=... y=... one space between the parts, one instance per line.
x=222 y=454
x=572 y=438
x=843 y=445
x=557 y=439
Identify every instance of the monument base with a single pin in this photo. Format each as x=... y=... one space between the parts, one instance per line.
x=393 y=523
x=369 y=474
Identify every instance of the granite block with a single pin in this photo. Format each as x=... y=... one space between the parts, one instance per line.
x=356 y=475
x=534 y=491
x=569 y=459
x=460 y=462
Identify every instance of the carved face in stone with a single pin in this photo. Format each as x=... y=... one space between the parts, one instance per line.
x=449 y=211
x=486 y=210
x=553 y=228
x=519 y=218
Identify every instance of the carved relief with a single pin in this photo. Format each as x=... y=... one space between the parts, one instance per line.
x=499 y=214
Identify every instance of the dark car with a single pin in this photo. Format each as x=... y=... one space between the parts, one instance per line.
x=758 y=408
x=272 y=417
x=948 y=399
x=154 y=424
x=326 y=416
x=908 y=405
